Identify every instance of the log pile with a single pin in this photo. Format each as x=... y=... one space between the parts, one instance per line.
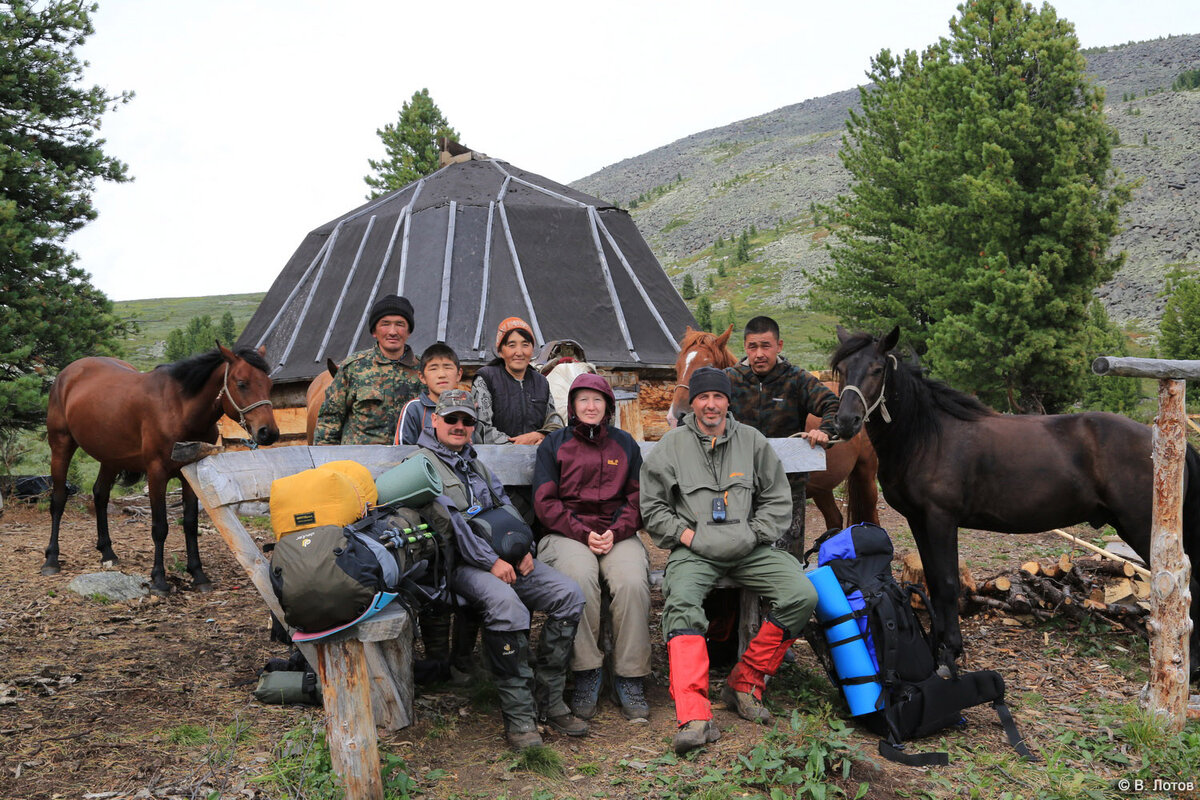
x=1080 y=589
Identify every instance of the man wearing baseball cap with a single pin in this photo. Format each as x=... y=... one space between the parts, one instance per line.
x=496 y=572
x=714 y=493
x=371 y=387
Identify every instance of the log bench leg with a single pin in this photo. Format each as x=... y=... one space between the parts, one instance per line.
x=749 y=618
x=349 y=723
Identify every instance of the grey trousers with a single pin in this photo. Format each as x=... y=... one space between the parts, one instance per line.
x=626 y=571
x=508 y=607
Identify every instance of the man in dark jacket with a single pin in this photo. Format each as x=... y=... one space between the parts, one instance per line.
x=586 y=494
x=775 y=397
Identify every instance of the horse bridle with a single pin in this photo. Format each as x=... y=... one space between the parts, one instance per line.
x=880 y=402
x=241 y=411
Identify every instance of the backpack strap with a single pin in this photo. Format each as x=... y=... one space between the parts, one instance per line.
x=1010 y=730
x=895 y=752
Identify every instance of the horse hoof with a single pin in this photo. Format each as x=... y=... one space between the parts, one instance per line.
x=204 y=588
x=943 y=671
x=49 y=570
x=157 y=592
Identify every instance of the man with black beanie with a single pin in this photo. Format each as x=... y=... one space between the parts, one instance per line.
x=371 y=387
x=716 y=495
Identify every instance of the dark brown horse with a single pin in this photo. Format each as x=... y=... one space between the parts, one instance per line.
x=129 y=421
x=852 y=461
x=947 y=461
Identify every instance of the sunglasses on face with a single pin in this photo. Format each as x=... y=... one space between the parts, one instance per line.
x=460 y=419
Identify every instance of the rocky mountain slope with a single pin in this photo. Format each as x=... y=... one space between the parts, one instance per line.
x=769 y=171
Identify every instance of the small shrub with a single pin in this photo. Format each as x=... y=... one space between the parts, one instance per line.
x=544 y=761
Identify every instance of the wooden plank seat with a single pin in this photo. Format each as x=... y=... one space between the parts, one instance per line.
x=368 y=666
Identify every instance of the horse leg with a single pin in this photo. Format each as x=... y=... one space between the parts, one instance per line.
x=825 y=502
x=191 y=533
x=156 y=486
x=937 y=543
x=862 y=495
x=62 y=448
x=101 y=490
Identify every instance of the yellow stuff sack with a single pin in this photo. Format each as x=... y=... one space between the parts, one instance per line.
x=364 y=484
x=328 y=495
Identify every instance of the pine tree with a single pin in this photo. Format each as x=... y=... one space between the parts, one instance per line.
x=981 y=206
x=688 y=290
x=704 y=313
x=411 y=145
x=227 y=331
x=50 y=160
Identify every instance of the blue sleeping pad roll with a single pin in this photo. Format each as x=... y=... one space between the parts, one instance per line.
x=857 y=675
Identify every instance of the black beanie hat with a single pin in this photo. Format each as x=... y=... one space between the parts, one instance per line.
x=709 y=379
x=391 y=304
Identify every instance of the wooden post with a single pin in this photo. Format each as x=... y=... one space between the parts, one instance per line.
x=353 y=748
x=1170 y=596
x=1170 y=624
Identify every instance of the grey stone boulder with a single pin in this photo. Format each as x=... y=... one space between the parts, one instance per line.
x=116 y=586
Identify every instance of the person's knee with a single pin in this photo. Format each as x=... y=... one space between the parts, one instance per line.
x=793 y=612
x=505 y=614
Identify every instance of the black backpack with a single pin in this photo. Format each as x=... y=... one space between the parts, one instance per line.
x=914 y=701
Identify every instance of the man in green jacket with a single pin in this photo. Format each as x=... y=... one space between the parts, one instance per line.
x=775 y=397
x=714 y=493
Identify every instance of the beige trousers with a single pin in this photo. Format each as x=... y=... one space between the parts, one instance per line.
x=625 y=570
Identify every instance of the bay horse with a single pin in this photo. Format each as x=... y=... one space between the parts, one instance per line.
x=852 y=460
x=946 y=461
x=314 y=396
x=129 y=421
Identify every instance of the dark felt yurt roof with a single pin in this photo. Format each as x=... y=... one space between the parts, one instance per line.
x=470 y=245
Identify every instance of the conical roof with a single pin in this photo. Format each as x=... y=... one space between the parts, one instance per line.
x=470 y=245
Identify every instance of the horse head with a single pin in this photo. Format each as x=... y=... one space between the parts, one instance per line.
x=246 y=393
x=862 y=364
x=697 y=349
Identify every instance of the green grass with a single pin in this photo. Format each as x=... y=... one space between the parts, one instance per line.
x=155 y=318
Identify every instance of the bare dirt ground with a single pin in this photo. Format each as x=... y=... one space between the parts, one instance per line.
x=93 y=694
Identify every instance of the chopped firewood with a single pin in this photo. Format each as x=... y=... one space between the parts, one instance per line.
x=996 y=584
x=1118 y=591
x=1031 y=568
x=913 y=572
x=1064 y=563
x=1141 y=588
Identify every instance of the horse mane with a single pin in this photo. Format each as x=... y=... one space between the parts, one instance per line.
x=694 y=339
x=193 y=372
x=925 y=400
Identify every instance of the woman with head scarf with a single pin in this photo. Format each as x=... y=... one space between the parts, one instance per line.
x=513 y=398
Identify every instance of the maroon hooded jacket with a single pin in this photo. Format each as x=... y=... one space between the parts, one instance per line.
x=586 y=476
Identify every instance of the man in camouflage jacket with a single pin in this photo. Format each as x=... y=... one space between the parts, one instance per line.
x=371 y=387
x=776 y=398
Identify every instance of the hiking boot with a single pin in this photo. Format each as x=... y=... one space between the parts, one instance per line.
x=586 y=695
x=521 y=736
x=696 y=733
x=628 y=694
x=746 y=704
x=569 y=724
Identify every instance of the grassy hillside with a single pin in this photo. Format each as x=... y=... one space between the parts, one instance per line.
x=156 y=318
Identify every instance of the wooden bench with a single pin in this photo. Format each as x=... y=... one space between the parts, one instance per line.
x=368 y=666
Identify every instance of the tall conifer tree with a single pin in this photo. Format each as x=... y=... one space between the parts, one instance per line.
x=50 y=160
x=411 y=145
x=981 y=206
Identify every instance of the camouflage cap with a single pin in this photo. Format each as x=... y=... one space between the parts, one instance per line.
x=453 y=400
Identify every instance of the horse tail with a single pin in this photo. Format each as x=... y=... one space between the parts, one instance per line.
x=128 y=479
x=862 y=495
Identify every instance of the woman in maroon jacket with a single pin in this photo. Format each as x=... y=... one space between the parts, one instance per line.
x=586 y=494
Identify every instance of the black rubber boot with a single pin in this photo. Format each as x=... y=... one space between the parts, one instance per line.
x=508 y=656
x=462 y=643
x=435 y=633
x=550 y=676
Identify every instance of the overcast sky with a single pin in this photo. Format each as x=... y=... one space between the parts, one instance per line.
x=253 y=121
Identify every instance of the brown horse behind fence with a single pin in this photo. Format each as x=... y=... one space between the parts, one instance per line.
x=129 y=421
x=852 y=460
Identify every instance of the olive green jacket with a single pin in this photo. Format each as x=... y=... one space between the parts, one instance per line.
x=686 y=470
